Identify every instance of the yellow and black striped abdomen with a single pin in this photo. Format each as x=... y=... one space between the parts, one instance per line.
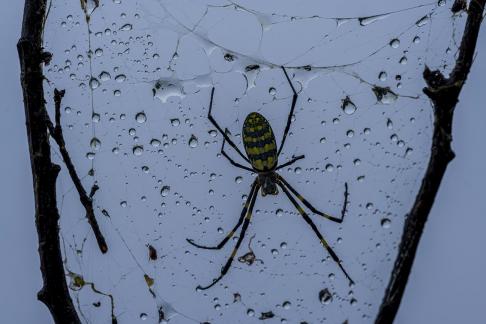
x=259 y=141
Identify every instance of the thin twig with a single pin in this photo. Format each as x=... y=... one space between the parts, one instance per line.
x=444 y=95
x=54 y=293
x=87 y=201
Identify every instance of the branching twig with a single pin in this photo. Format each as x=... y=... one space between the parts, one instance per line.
x=54 y=293
x=87 y=201
x=444 y=95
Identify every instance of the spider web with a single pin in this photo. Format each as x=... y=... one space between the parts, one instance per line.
x=138 y=76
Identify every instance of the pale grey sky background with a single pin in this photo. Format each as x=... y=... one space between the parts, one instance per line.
x=447 y=281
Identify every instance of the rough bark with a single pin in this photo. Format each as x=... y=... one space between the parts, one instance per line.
x=54 y=293
x=444 y=95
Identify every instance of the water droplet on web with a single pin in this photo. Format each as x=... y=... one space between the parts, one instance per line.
x=329 y=167
x=126 y=27
x=120 y=78
x=143 y=316
x=238 y=179
x=286 y=305
x=104 y=76
x=250 y=312
x=395 y=43
x=137 y=150
x=165 y=191
x=175 y=122
x=423 y=21
x=272 y=91
x=385 y=223
x=384 y=95
x=382 y=76
x=325 y=297
x=94 y=83
x=141 y=117
x=193 y=141
x=95 y=144
x=163 y=90
x=95 y=117
x=365 y=21
x=155 y=142
x=348 y=106
x=279 y=212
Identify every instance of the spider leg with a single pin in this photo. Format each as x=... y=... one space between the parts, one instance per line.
x=236 y=164
x=312 y=208
x=316 y=231
x=252 y=193
x=294 y=159
x=289 y=118
x=226 y=137
x=226 y=267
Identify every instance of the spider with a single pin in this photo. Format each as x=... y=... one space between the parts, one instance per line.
x=262 y=155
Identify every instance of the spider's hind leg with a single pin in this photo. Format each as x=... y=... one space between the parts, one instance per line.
x=252 y=193
x=316 y=231
x=226 y=267
x=312 y=208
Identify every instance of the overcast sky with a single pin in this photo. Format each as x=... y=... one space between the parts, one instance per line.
x=447 y=281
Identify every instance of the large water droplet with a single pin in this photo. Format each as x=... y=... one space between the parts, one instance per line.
x=141 y=117
x=137 y=150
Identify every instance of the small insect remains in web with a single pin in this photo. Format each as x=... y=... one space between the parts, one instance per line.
x=262 y=155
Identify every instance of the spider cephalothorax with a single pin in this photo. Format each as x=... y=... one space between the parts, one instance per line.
x=262 y=155
x=268 y=182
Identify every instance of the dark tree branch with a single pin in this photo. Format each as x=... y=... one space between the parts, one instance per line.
x=54 y=293
x=87 y=201
x=444 y=95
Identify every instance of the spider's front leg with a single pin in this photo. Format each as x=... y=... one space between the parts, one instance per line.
x=236 y=164
x=291 y=113
x=294 y=159
x=226 y=137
